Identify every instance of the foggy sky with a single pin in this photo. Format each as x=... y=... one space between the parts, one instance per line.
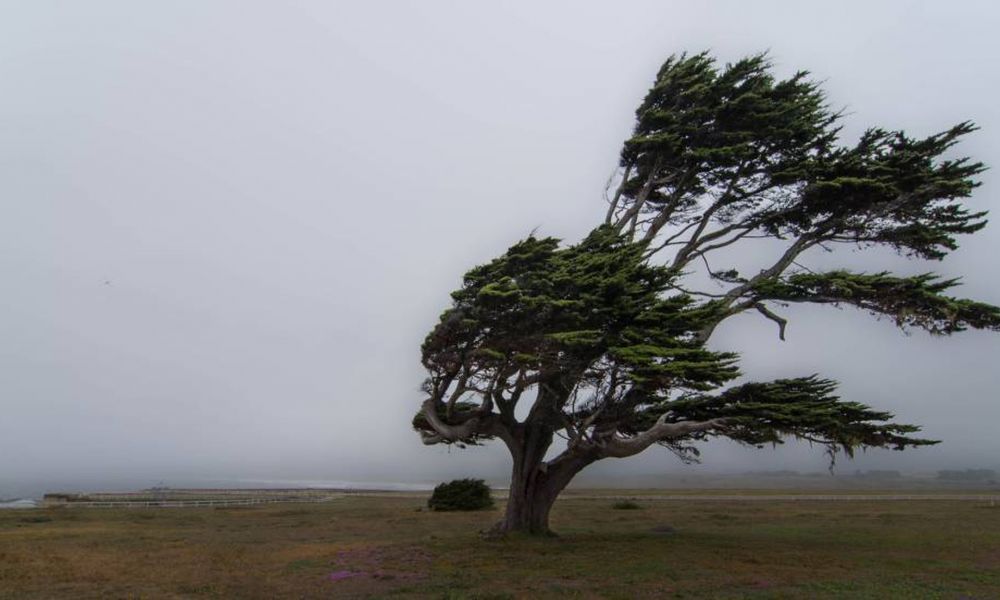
x=228 y=225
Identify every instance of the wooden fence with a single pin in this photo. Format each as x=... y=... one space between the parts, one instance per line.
x=189 y=503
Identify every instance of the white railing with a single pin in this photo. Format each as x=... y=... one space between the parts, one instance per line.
x=187 y=503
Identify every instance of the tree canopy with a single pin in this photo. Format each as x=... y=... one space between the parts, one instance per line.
x=606 y=339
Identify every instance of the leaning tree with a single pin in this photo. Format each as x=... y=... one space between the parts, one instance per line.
x=603 y=343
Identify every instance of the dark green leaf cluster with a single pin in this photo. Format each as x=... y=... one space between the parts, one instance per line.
x=595 y=320
x=805 y=408
x=917 y=301
x=737 y=129
x=737 y=147
x=461 y=494
x=890 y=189
x=554 y=313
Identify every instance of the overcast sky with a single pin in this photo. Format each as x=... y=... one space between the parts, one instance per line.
x=227 y=226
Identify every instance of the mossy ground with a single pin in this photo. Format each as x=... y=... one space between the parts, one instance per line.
x=386 y=547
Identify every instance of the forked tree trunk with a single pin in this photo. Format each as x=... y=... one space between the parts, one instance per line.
x=527 y=513
x=532 y=495
x=535 y=484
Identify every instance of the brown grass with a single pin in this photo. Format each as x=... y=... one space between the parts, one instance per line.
x=759 y=549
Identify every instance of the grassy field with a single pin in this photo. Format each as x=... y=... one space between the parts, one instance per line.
x=390 y=547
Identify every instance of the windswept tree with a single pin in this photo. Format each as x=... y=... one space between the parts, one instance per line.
x=603 y=343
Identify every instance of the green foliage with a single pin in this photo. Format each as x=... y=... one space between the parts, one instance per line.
x=608 y=339
x=625 y=505
x=597 y=311
x=891 y=189
x=570 y=316
x=916 y=301
x=566 y=308
x=805 y=407
x=765 y=153
x=699 y=126
x=461 y=494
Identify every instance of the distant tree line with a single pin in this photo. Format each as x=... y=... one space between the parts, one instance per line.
x=876 y=474
x=968 y=475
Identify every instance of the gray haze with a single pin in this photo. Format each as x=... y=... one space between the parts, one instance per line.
x=228 y=225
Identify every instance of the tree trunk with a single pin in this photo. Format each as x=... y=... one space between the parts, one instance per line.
x=527 y=513
x=535 y=484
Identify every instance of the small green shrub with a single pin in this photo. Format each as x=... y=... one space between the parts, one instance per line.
x=461 y=494
x=625 y=505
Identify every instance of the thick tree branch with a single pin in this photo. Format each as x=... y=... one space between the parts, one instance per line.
x=616 y=446
x=632 y=213
x=666 y=211
x=721 y=201
x=725 y=308
x=451 y=433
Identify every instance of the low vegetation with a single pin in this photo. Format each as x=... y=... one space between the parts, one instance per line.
x=383 y=547
x=461 y=494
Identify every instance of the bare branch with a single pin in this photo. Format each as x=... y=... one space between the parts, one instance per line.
x=682 y=260
x=460 y=389
x=618 y=194
x=616 y=446
x=764 y=310
x=446 y=432
x=787 y=258
x=481 y=422
x=429 y=439
x=804 y=242
x=671 y=241
x=667 y=211
x=632 y=213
